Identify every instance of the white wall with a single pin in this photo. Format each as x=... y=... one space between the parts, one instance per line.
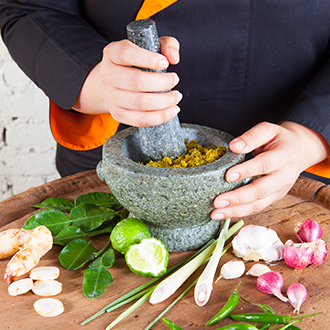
x=27 y=147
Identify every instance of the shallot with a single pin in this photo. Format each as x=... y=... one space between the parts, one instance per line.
x=309 y=231
x=300 y=255
x=271 y=283
x=297 y=294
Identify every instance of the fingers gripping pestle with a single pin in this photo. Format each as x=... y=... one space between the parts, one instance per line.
x=165 y=140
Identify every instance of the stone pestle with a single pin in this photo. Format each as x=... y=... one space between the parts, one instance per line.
x=165 y=140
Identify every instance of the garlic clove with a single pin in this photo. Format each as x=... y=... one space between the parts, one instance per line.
x=297 y=255
x=320 y=252
x=232 y=269
x=258 y=269
x=255 y=243
x=297 y=294
x=309 y=231
x=271 y=283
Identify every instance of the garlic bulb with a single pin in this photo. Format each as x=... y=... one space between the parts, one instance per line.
x=297 y=294
x=258 y=243
x=232 y=269
x=258 y=269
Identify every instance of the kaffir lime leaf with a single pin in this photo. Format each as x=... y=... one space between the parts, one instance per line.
x=128 y=232
x=148 y=258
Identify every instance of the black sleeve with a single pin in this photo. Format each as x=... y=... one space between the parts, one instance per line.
x=52 y=44
x=312 y=107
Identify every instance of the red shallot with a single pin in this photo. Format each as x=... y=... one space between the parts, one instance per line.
x=300 y=255
x=297 y=294
x=271 y=283
x=309 y=231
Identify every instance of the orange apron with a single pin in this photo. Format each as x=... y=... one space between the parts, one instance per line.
x=79 y=131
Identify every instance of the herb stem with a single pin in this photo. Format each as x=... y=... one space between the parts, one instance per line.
x=131 y=309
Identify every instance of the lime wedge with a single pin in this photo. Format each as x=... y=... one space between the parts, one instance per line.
x=148 y=258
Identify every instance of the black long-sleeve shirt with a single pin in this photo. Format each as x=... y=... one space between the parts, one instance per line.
x=242 y=61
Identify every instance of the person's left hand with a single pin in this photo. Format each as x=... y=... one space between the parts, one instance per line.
x=281 y=153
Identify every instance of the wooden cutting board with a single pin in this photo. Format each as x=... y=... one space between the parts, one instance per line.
x=308 y=199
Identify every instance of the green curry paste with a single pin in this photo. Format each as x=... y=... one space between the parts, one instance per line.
x=196 y=155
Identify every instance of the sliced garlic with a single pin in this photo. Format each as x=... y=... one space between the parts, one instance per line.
x=48 y=307
x=47 y=288
x=232 y=269
x=45 y=273
x=255 y=243
x=258 y=269
x=19 y=287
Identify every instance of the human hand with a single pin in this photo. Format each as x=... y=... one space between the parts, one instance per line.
x=117 y=86
x=281 y=153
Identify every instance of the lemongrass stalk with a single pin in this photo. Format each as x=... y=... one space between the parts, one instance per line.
x=138 y=295
x=131 y=309
x=168 y=286
x=225 y=249
x=171 y=305
x=143 y=286
x=204 y=285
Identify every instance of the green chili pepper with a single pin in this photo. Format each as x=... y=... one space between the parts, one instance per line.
x=171 y=325
x=238 y=326
x=268 y=318
x=293 y=327
x=265 y=308
x=265 y=326
x=227 y=308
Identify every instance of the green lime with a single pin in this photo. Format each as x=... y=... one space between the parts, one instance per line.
x=148 y=258
x=128 y=232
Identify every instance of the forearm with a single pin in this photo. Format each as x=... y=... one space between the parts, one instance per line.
x=53 y=45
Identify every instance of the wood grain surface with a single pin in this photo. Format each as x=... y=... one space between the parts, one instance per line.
x=308 y=199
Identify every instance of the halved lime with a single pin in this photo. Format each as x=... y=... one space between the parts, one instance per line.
x=148 y=258
x=128 y=232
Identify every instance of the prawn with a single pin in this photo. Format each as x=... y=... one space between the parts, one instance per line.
x=29 y=245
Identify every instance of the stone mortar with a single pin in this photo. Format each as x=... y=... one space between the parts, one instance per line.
x=174 y=203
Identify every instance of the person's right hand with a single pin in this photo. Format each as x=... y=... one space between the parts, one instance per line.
x=117 y=86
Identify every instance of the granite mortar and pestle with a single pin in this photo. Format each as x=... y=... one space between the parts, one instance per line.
x=174 y=203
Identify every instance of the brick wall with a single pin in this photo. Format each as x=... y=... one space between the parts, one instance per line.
x=27 y=148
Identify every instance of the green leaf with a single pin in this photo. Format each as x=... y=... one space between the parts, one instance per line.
x=89 y=216
x=105 y=228
x=76 y=253
x=54 y=220
x=171 y=325
x=107 y=260
x=57 y=203
x=101 y=199
x=68 y=234
x=96 y=281
x=123 y=214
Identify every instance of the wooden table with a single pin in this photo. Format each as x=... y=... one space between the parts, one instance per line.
x=307 y=199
